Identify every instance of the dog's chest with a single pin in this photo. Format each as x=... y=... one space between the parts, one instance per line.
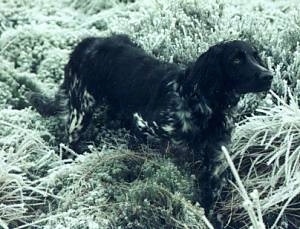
x=172 y=121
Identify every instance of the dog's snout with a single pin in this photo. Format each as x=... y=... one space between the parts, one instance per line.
x=267 y=76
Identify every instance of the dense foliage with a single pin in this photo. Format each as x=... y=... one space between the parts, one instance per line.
x=113 y=186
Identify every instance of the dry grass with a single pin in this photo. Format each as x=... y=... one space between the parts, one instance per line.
x=266 y=154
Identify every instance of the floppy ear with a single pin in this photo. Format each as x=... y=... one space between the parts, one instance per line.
x=205 y=76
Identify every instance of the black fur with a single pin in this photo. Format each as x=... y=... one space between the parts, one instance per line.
x=160 y=100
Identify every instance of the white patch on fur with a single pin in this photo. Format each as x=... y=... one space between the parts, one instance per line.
x=184 y=114
x=168 y=128
x=170 y=83
x=185 y=118
x=76 y=121
x=176 y=142
x=75 y=83
x=180 y=89
x=73 y=116
x=88 y=99
x=170 y=119
x=186 y=126
x=175 y=86
x=205 y=109
x=220 y=165
x=141 y=123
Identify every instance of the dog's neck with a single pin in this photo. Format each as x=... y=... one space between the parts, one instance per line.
x=214 y=94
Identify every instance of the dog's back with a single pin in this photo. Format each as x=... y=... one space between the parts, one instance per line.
x=116 y=69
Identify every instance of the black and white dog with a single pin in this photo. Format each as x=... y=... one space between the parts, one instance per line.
x=156 y=99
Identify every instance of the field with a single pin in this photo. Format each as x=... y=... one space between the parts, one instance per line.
x=112 y=186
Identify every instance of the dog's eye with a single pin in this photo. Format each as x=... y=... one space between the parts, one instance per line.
x=236 y=60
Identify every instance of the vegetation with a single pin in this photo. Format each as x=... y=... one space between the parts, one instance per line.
x=112 y=186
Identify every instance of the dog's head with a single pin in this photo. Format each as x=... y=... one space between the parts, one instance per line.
x=233 y=66
x=243 y=68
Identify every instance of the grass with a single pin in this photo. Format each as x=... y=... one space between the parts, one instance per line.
x=113 y=186
x=266 y=148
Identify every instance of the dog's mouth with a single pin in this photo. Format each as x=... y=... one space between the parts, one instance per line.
x=254 y=87
x=264 y=85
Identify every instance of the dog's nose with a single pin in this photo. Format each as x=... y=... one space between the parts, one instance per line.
x=267 y=76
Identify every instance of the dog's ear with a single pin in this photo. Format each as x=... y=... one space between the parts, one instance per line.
x=205 y=75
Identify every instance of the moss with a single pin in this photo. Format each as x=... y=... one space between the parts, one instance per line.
x=13 y=14
x=93 y=7
x=14 y=85
x=51 y=69
x=27 y=46
x=123 y=189
x=158 y=198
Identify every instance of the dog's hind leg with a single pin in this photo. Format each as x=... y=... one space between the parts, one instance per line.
x=81 y=107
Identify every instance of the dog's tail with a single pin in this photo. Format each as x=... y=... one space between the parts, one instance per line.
x=51 y=105
x=46 y=105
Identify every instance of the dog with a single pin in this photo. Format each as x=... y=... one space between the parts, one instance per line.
x=159 y=100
